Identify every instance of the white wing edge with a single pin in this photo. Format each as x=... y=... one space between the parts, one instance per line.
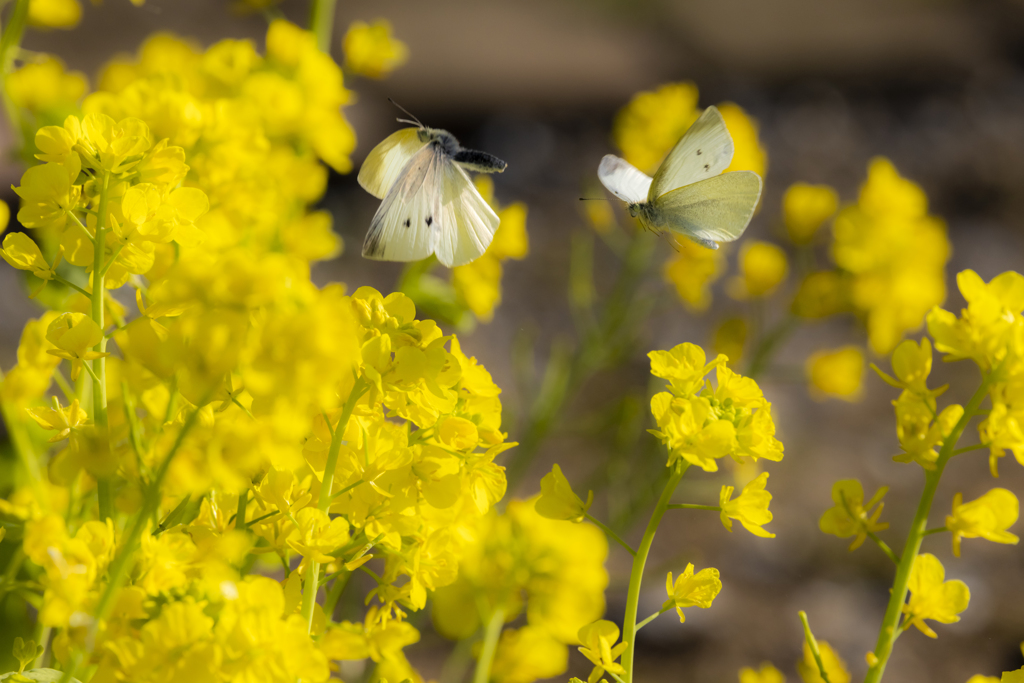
x=623 y=179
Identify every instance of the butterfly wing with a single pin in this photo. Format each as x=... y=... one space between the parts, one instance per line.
x=623 y=179
x=704 y=151
x=468 y=223
x=384 y=163
x=406 y=225
x=717 y=209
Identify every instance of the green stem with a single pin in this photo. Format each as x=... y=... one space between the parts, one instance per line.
x=321 y=23
x=690 y=506
x=968 y=449
x=884 y=547
x=9 y=42
x=243 y=500
x=99 y=394
x=331 y=602
x=889 y=631
x=72 y=285
x=118 y=570
x=324 y=502
x=604 y=527
x=652 y=617
x=812 y=643
x=491 y=636
x=637 y=574
x=455 y=667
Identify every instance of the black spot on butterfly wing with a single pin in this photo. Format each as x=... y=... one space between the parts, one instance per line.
x=430 y=219
x=707 y=167
x=408 y=222
x=699 y=152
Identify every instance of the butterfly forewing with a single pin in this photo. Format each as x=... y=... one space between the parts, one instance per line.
x=623 y=179
x=704 y=151
x=717 y=209
x=384 y=163
x=406 y=225
x=468 y=223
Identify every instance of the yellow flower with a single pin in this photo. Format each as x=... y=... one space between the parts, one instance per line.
x=931 y=597
x=763 y=267
x=692 y=271
x=653 y=122
x=895 y=254
x=834 y=666
x=45 y=86
x=599 y=647
x=750 y=508
x=691 y=590
x=371 y=51
x=528 y=654
x=63 y=420
x=767 y=674
x=557 y=499
x=987 y=517
x=980 y=678
x=851 y=516
x=805 y=208
x=919 y=430
x=21 y=251
x=54 y=13
x=73 y=336
x=749 y=155
x=838 y=373
x=48 y=194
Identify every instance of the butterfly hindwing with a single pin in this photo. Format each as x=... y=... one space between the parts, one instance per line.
x=623 y=179
x=384 y=163
x=468 y=223
x=406 y=225
x=704 y=151
x=717 y=209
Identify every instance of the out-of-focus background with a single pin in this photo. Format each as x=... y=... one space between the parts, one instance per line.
x=937 y=86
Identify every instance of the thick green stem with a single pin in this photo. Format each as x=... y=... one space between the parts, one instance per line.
x=889 y=630
x=629 y=626
x=243 y=500
x=321 y=23
x=324 y=502
x=118 y=570
x=491 y=636
x=99 y=366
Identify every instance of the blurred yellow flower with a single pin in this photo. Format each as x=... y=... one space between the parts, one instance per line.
x=599 y=647
x=767 y=674
x=749 y=155
x=371 y=50
x=820 y=295
x=834 y=665
x=986 y=517
x=763 y=267
x=851 y=516
x=528 y=654
x=805 y=208
x=54 y=13
x=692 y=271
x=838 y=373
x=895 y=253
x=558 y=500
x=46 y=86
x=653 y=122
x=932 y=597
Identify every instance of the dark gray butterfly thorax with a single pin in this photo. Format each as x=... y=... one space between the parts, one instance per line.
x=470 y=159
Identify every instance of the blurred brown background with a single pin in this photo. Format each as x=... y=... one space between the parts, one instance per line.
x=937 y=86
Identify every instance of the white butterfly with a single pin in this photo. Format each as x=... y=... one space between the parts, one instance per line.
x=430 y=205
x=689 y=194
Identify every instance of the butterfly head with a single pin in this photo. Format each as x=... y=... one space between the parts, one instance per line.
x=634 y=209
x=441 y=138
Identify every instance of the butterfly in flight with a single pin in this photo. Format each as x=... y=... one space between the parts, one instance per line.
x=689 y=194
x=430 y=204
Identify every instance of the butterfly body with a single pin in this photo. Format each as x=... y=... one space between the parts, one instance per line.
x=430 y=205
x=689 y=194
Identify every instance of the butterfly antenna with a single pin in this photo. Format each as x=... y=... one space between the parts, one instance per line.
x=408 y=113
x=593 y=199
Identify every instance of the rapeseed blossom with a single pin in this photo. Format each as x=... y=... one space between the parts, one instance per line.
x=750 y=508
x=805 y=208
x=894 y=253
x=766 y=674
x=932 y=597
x=986 y=517
x=370 y=49
x=692 y=590
x=763 y=267
x=838 y=373
x=851 y=516
x=692 y=271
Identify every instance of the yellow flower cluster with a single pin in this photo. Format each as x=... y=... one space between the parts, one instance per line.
x=990 y=331
x=701 y=423
x=242 y=412
x=894 y=253
x=521 y=563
